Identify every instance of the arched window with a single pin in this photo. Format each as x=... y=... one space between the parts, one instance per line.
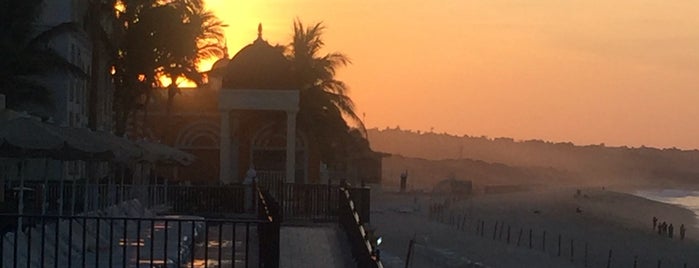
x=198 y=135
x=268 y=152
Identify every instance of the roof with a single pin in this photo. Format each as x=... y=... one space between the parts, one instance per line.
x=258 y=66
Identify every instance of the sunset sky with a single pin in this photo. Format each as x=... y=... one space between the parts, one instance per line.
x=623 y=72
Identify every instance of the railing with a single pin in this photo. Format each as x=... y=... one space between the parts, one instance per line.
x=175 y=241
x=364 y=252
x=206 y=200
x=315 y=202
x=268 y=211
x=209 y=200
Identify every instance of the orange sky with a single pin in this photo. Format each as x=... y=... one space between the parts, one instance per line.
x=623 y=72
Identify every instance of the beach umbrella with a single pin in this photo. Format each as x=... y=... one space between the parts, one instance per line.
x=162 y=154
x=26 y=137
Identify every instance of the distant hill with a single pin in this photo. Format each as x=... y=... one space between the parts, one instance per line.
x=423 y=173
x=597 y=164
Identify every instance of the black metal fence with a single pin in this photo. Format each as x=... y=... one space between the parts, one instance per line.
x=207 y=200
x=174 y=241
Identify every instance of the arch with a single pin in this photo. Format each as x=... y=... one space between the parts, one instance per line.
x=198 y=135
x=268 y=146
x=273 y=136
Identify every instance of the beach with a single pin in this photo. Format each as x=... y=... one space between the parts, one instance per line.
x=593 y=222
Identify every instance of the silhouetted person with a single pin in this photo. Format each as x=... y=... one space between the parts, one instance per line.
x=403 y=181
x=670 y=230
x=682 y=230
x=655 y=222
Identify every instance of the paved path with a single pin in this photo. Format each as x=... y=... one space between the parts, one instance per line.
x=314 y=246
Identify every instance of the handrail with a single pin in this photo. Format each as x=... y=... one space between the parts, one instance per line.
x=268 y=213
x=365 y=254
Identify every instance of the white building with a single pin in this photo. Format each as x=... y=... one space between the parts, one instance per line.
x=70 y=92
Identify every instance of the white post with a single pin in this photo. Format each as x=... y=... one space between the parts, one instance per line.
x=290 y=146
x=225 y=148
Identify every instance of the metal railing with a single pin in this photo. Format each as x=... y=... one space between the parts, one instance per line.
x=268 y=210
x=363 y=251
x=175 y=241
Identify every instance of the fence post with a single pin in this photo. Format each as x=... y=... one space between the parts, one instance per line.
x=543 y=242
x=559 y=245
x=609 y=259
x=635 y=261
x=530 y=238
x=572 y=250
x=495 y=229
x=508 y=234
x=660 y=263
x=519 y=237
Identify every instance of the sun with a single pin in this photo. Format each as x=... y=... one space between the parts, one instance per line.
x=242 y=19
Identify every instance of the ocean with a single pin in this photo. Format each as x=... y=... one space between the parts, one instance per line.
x=685 y=198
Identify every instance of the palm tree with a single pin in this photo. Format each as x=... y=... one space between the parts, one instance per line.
x=203 y=39
x=162 y=39
x=99 y=13
x=27 y=56
x=324 y=103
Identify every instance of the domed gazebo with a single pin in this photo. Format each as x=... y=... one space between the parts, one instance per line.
x=258 y=78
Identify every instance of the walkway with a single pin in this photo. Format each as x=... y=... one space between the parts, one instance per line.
x=314 y=246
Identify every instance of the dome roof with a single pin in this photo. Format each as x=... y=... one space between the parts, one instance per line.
x=258 y=66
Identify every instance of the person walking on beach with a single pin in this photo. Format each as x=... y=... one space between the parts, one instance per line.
x=663 y=228
x=655 y=222
x=682 y=230
x=670 y=230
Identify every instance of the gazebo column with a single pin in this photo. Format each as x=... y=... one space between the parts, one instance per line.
x=290 y=146
x=234 y=147
x=225 y=175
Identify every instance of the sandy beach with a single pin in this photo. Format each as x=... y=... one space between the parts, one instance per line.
x=594 y=222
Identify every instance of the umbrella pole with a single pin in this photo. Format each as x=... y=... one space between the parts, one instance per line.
x=86 y=205
x=44 y=202
x=109 y=186
x=123 y=174
x=20 y=206
x=61 y=187
x=72 y=201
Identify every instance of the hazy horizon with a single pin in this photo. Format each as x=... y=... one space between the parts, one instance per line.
x=588 y=72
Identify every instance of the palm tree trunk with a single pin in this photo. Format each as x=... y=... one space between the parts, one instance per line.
x=145 y=115
x=94 y=96
x=171 y=92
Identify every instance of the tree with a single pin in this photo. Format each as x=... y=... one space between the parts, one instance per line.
x=26 y=55
x=203 y=39
x=324 y=103
x=161 y=39
x=100 y=13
